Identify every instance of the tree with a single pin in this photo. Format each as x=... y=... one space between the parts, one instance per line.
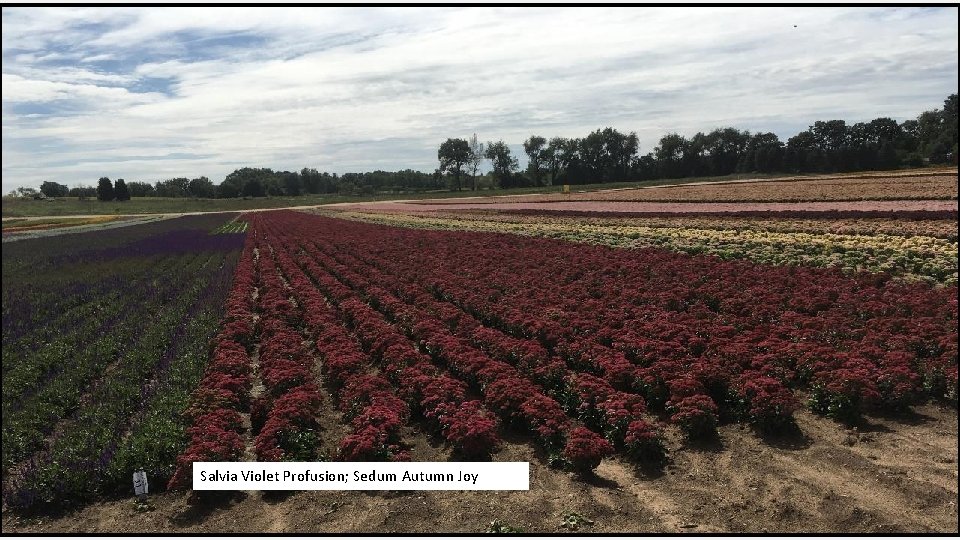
x=27 y=192
x=140 y=189
x=174 y=187
x=670 y=154
x=105 y=189
x=201 y=188
x=228 y=190
x=476 y=158
x=83 y=192
x=503 y=163
x=535 y=147
x=557 y=157
x=453 y=155
x=292 y=184
x=53 y=189
x=619 y=151
x=764 y=153
x=120 y=190
x=254 y=188
x=593 y=155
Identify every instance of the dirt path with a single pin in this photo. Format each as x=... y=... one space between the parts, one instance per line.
x=895 y=475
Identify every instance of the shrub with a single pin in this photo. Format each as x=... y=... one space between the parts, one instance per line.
x=696 y=415
x=585 y=449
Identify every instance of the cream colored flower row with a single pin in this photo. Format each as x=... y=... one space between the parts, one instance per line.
x=940 y=228
x=912 y=257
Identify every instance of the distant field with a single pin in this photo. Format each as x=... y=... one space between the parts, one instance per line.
x=149 y=205
x=160 y=205
x=918 y=186
x=18 y=225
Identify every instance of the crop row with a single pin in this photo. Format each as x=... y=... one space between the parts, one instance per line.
x=406 y=324
x=877 y=188
x=913 y=257
x=90 y=402
x=438 y=398
x=856 y=343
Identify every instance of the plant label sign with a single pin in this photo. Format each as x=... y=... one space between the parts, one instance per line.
x=140 y=486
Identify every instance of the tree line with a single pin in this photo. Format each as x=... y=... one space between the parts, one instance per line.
x=605 y=155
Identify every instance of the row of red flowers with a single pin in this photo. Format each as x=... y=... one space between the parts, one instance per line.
x=516 y=398
x=642 y=318
x=284 y=417
x=426 y=390
x=591 y=399
x=571 y=342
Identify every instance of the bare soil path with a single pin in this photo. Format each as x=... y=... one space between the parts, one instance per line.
x=891 y=475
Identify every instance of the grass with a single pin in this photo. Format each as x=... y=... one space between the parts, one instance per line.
x=15 y=207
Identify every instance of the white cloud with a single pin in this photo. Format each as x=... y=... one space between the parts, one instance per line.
x=364 y=88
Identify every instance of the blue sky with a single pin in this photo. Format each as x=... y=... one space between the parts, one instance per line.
x=153 y=93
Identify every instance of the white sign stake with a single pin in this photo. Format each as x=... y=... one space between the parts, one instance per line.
x=140 y=486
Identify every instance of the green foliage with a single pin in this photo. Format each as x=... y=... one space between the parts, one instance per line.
x=573 y=521
x=105 y=189
x=120 y=190
x=499 y=527
x=53 y=189
x=454 y=154
x=504 y=164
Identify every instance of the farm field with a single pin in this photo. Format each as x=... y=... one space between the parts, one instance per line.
x=104 y=337
x=920 y=185
x=25 y=207
x=920 y=246
x=874 y=187
x=702 y=372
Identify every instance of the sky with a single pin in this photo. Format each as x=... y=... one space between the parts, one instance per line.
x=154 y=93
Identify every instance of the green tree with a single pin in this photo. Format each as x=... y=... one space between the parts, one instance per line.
x=669 y=154
x=174 y=187
x=201 y=188
x=621 y=150
x=53 y=189
x=453 y=155
x=254 y=188
x=105 y=189
x=83 y=192
x=504 y=164
x=535 y=147
x=141 y=189
x=120 y=190
x=559 y=154
x=292 y=184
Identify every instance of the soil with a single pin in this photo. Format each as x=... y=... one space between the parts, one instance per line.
x=892 y=474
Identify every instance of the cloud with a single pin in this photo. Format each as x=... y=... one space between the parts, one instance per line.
x=144 y=93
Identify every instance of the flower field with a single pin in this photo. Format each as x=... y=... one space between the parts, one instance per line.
x=468 y=334
x=921 y=246
x=104 y=337
x=351 y=336
x=918 y=186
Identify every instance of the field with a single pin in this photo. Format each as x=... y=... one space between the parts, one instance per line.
x=104 y=337
x=875 y=187
x=930 y=181
x=674 y=371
